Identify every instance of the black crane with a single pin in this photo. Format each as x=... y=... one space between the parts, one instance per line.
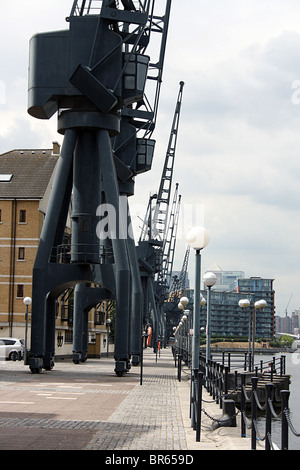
x=95 y=75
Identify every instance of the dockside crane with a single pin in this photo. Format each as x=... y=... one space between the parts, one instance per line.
x=159 y=214
x=158 y=235
x=171 y=310
x=96 y=75
x=178 y=282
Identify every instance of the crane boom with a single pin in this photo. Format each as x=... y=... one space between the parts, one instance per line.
x=286 y=308
x=159 y=214
x=160 y=218
x=164 y=275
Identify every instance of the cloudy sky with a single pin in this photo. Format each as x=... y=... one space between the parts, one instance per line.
x=237 y=160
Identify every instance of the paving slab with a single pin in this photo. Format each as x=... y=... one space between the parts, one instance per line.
x=87 y=407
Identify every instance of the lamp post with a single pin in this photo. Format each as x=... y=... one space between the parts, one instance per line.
x=257 y=305
x=198 y=239
x=245 y=303
x=108 y=322
x=209 y=280
x=27 y=302
x=202 y=303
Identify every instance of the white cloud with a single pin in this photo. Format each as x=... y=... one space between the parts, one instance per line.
x=238 y=145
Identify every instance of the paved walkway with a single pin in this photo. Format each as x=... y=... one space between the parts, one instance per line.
x=87 y=406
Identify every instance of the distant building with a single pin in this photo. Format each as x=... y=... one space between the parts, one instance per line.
x=287 y=324
x=228 y=319
x=226 y=280
x=26 y=177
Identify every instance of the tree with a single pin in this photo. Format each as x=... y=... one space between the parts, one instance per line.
x=286 y=341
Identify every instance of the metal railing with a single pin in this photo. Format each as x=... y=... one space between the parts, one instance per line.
x=84 y=253
x=215 y=376
x=270 y=415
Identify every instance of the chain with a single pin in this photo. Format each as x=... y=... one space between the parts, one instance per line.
x=221 y=421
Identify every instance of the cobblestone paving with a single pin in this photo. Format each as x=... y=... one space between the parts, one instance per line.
x=88 y=407
x=149 y=418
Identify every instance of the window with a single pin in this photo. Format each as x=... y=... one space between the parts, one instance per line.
x=22 y=218
x=20 y=290
x=21 y=255
x=0 y=216
x=69 y=336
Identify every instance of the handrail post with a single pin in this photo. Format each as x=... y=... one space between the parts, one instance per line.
x=214 y=380
x=221 y=385
x=179 y=368
x=253 y=413
x=284 y=422
x=250 y=362
x=243 y=405
x=269 y=390
x=208 y=382
x=195 y=404
x=199 y=406
x=192 y=398
x=226 y=388
x=217 y=382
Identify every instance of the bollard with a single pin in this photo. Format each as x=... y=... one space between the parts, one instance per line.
x=229 y=414
x=284 y=422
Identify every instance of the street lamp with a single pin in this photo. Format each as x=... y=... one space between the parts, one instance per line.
x=184 y=301
x=198 y=239
x=27 y=302
x=209 y=280
x=245 y=303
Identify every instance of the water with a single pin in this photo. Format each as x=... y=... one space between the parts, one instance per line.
x=292 y=369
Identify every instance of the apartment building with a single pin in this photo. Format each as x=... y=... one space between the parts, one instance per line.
x=25 y=183
x=227 y=318
x=26 y=178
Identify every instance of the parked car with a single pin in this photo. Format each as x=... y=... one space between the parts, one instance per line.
x=11 y=348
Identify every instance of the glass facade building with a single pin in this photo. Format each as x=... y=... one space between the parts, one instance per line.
x=228 y=319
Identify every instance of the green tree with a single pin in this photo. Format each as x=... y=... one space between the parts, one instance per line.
x=286 y=341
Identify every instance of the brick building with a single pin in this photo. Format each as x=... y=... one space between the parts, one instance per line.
x=26 y=178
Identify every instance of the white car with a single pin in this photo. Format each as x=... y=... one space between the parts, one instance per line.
x=11 y=348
